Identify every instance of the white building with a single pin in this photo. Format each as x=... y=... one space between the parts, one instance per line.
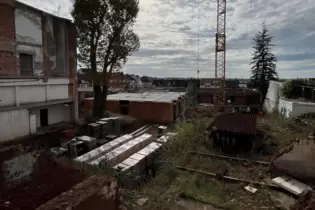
x=37 y=75
x=286 y=107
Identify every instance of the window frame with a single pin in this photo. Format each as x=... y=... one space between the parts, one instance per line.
x=32 y=61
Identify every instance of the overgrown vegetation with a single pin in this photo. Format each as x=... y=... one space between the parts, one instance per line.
x=163 y=189
x=105 y=39
x=287 y=88
x=263 y=64
x=171 y=185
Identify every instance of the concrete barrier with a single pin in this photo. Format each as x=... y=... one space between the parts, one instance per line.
x=139 y=160
x=94 y=154
x=124 y=151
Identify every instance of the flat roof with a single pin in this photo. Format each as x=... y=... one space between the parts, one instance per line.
x=167 y=97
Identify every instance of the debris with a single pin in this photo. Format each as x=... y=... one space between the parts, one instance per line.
x=297 y=161
x=230 y=158
x=293 y=186
x=229 y=178
x=142 y=201
x=305 y=201
x=250 y=189
x=283 y=200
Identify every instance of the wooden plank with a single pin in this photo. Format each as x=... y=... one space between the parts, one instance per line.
x=229 y=178
x=230 y=158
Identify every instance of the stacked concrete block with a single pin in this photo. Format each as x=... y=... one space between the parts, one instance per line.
x=94 y=130
x=103 y=128
x=90 y=142
x=113 y=125
x=110 y=126
x=124 y=151
x=161 y=130
x=116 y=126
x=104 y=149
x=140 y=160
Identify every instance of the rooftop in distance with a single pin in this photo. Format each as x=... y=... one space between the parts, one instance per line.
x=147 y=96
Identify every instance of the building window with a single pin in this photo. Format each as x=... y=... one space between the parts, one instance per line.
x=124 y=107
x=26 y=64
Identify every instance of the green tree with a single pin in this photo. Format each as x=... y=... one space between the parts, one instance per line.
x=105 y=39
x=263 y=64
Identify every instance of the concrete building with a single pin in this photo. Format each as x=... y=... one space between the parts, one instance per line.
x=37 y=70
x=234 y=97
x=274 y=102
x=150 y=107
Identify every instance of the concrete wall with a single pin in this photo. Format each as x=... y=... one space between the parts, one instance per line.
x=14 y=124
x=285 y=108
x=300 y=108
x=17 y=123
x=28 y=27
x=56 y=114
x=271 y=102
x=14 y=92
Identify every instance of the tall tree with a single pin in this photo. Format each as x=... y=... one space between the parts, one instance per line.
x=105 y=39
x=263 y=64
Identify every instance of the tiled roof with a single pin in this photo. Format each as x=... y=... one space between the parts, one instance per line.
x=238 y=122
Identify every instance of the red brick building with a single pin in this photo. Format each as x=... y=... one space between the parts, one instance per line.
x=151 y=107
x=37 y=69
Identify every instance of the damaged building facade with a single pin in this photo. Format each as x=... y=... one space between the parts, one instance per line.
x=37 y=70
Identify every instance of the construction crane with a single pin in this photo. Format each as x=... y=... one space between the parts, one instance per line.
x=220 y=54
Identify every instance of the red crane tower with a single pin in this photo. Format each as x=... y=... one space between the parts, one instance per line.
x=220 y=54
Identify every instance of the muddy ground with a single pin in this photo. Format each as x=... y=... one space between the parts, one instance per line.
x=47 y=180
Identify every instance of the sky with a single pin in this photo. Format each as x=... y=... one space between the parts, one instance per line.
x=168 y=31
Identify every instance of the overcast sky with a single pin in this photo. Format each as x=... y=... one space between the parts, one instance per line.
x=168 y=35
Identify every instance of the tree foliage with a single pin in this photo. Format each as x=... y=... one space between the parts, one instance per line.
x=287 y=88
x=105 y=39
x=263 y=64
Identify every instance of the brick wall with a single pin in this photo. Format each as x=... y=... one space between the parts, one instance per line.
x=151 y=112
x=7 y=39
x=97 y=193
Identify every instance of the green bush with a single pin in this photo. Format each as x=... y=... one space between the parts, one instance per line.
x=287 y=88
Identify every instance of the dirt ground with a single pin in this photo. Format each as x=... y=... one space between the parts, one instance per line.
x=47 y=180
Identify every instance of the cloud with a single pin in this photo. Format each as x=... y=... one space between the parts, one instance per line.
x=168 y=31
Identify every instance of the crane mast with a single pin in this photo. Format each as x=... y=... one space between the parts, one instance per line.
x=220 y=54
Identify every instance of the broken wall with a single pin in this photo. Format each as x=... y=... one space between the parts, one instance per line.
x=55 y=53
x=93 y=193
x=7 y=39
x=28 y=26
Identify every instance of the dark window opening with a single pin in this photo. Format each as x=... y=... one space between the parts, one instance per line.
x=174 y=111
x=124 y=107
x=124 y=110
x=43 y=117
x=232 y=99
x=26 y=64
